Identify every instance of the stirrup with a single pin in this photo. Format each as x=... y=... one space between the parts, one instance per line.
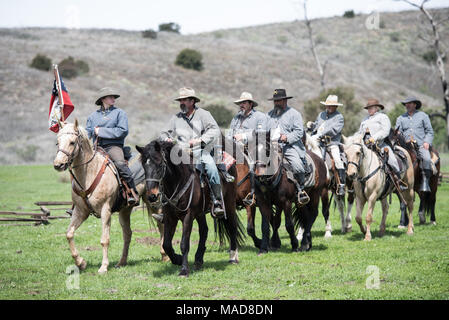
x=158 y=217
x=402 y=185
x=303 y=197
x=340 y=189
x=249 y=200
x=217 y=214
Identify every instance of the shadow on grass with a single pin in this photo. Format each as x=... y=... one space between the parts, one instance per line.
x=168 y=269
x=358 y=235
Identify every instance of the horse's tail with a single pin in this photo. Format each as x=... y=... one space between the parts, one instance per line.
x=226 y=228
x=297 y=218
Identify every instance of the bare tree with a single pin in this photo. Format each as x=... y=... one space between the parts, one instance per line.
x=321 y=68
x=440 y=55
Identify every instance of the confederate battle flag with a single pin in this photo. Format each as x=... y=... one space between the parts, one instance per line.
x=55 y=106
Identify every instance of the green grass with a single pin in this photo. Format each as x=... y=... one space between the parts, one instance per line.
x=34 y=259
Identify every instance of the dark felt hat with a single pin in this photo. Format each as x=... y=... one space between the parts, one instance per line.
x=279 y=94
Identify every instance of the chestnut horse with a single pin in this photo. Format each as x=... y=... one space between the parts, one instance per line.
x=75 y=152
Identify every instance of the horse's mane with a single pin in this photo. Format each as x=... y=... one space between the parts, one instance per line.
x=70 y=127
x=356 y=138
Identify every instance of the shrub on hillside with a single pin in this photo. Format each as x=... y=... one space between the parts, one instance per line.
x=41 y=62
x=71 y=68
x=190 y=59
x=170 y=27
x=150 y=33
x=221 y=114
x=349 y=14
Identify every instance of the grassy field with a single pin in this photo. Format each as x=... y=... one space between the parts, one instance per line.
x=34 y=260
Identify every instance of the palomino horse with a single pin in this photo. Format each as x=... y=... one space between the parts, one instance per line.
x=278 y=190
x=346 y=225
x=178 y=186
x=370 y=183
x=427 y=199
x=89 y=168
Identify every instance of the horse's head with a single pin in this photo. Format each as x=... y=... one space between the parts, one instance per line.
x=69 y=145
x=269 y=158
x=155 y=164
x=354 y=151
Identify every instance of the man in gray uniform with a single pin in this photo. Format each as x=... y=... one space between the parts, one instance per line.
x=330 y=123
x=244 y=127
x=378 y=124
x=196 y=128
x=415 y=125
x=289 y=123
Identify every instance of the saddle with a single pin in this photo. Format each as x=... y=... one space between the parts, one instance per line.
x=309 y=174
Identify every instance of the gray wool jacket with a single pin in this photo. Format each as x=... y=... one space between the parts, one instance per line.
x=417 y=126
x=330 y=125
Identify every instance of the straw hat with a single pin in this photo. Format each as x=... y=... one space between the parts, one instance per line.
x=246 y=96
x=412 y=99
x=104 y=92
x=331 y=100
x=187 y=93
x=373 y=102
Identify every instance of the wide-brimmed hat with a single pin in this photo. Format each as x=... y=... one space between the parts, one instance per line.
x=412 y=99
x=187 y=93
x=279 y=94
x=372 y=103
x=331 y=100
x=246 y=96
x=104 y=92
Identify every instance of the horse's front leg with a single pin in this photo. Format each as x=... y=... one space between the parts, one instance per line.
x=360 y=203
x=265 y=210
x=77 y=219
x=385 y=206
x=185 y=242
x=124 y=219
x=169 y=231
x=275 y=242
x=369 y=215
x=289 y=225
x=203 y=230
x=250 y=226
x=105 y=237
x=348 y=211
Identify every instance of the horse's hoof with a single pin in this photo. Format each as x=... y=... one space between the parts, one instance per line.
x=198 y=265
x=184 y=273
x=83 y=265
x=262 y=252
x=327 y=235
x=233 y=261
x=433 y=223
x=367 y=239
x=120 y=264
x=302 y=248
x=402 y=227
x=349 y=229
x=102 y=270
x=410 y=233
x=295 y=249
x=165 y=258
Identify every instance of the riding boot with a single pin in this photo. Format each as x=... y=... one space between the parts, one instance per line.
x=133 y=195
x=426 y=174
x=341 y=185
x=303 y=197
x=217 y=200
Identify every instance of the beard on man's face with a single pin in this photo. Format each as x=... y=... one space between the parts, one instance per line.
x=183 y=108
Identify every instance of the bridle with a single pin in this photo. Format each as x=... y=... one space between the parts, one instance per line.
x=357 y=165
x=71 y=156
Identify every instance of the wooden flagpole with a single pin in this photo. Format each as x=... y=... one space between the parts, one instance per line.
x=58 y=87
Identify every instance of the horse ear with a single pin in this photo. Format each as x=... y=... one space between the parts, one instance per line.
x=157 y=146
x=140 y=149
x=76 y=124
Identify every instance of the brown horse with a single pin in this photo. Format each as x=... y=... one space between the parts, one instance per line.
x=75 y=153
x=278 y=190
x=427 y=199
x=180 y=189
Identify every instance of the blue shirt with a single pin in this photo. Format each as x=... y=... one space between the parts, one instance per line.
x=416 y=126
x=112 y=123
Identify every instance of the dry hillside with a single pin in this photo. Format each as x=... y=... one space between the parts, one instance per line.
x=384 y=63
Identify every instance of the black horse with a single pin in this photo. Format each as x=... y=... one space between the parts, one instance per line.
x=427 y=199
x=180 y=189
x=279 y=191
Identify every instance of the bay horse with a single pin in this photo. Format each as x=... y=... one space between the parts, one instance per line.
x=346 y=225
x=75 y=152
x=178 y=187
x=365 y=169
x=278 y=190
x=427 y=199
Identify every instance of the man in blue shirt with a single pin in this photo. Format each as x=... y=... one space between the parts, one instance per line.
x=415 y=125
x=108 y=127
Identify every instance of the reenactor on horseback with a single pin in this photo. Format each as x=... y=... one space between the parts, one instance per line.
x=289 y=123
x=108 y=127
x=415 y=125
x=244 y=126
x=196 y=128
x=375 y=128
x=326 y=130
